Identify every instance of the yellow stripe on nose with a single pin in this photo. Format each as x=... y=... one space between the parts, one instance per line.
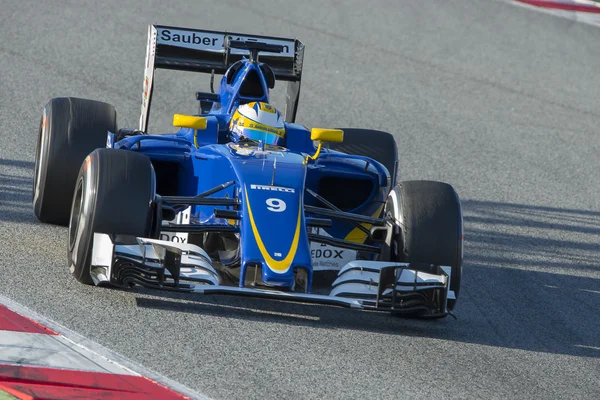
x=277 y=266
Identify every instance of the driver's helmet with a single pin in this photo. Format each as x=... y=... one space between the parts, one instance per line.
x=257 y=121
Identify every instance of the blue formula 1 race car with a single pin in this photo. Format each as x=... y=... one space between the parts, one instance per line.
x=241 y=200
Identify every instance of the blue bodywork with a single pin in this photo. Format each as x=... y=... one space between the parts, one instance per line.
x=270 y=183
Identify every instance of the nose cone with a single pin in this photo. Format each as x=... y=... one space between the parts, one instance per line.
x=273 y=232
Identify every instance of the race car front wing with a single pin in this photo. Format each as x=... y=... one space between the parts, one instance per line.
x=399 y=288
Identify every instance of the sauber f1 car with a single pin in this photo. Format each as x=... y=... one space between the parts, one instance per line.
x=319 y=217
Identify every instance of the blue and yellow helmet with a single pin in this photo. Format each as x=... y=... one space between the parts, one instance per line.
x=258 y=121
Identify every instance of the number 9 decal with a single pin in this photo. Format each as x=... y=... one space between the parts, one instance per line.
x=276 y=205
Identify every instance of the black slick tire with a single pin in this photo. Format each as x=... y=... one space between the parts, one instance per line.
x=430 y=227
x=114 y=194
x=70 y=129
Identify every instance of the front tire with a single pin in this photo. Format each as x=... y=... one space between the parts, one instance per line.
x=429 y=227
x=114 y=194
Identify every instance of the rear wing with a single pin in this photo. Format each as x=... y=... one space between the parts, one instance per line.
x=198 y=50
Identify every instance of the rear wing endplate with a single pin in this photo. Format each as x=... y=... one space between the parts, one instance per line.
x=199 y=50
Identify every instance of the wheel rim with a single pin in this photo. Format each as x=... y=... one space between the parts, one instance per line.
x=39 y=154
x=392 y=207
x=76 y=210
x=392 y=212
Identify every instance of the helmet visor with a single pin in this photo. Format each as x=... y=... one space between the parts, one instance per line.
x=257 y=134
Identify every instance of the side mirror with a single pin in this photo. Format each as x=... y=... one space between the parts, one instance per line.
x=324 y=135
x=327 y=135
x=189 y=121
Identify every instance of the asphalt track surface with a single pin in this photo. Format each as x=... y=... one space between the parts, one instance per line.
x=500 y=101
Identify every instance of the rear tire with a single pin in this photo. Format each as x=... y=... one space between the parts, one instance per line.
x=70 y=129
x=429 y=227
x=114 y=194
x=378 y=145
